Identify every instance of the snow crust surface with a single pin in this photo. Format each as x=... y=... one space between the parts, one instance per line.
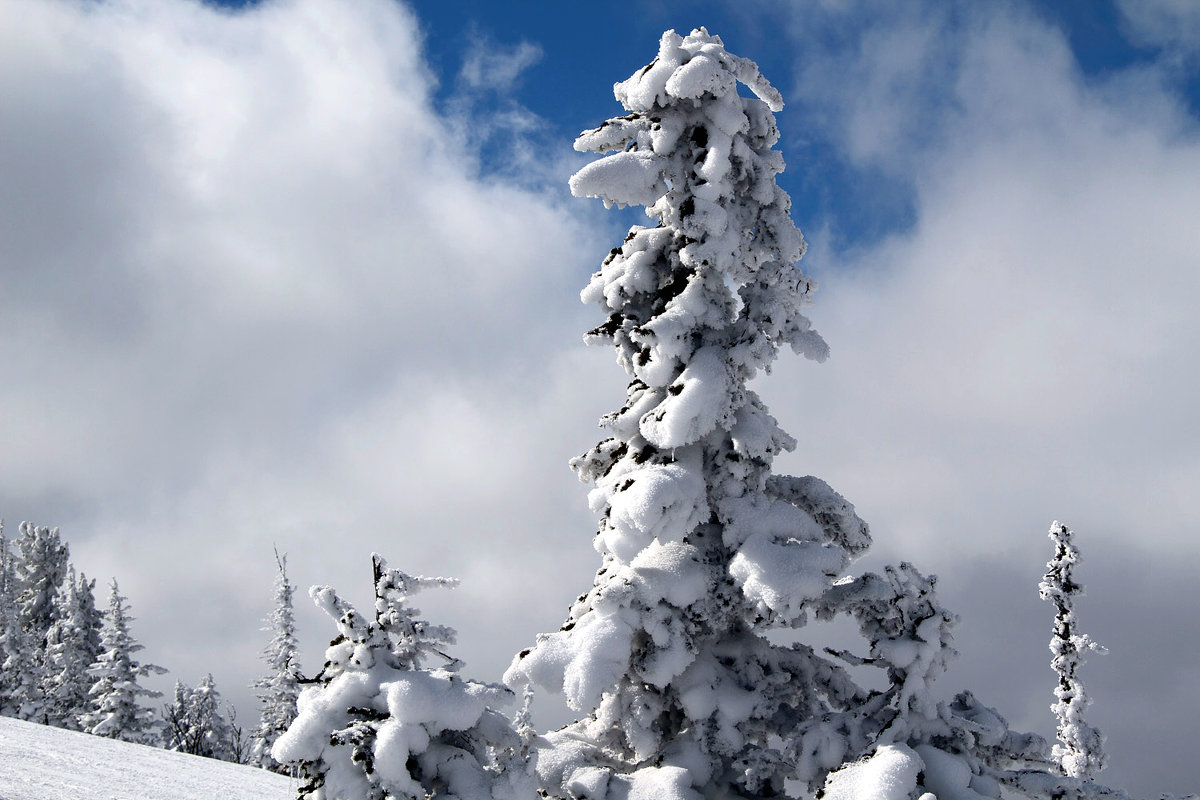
x=38 y=762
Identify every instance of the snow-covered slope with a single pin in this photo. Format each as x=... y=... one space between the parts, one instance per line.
x=43 y=763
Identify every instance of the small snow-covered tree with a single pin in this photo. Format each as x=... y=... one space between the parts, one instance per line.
x=704 y=552
x=176 y=720
x=116 y=710
x=241 y=741
x=72 y=646
x=1080 y=750
x=279 y=689
x=378 y=725
x=195 y=723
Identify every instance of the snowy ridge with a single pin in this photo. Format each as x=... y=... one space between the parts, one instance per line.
x=38 y=762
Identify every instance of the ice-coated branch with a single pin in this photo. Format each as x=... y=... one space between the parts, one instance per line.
x=1080 y=751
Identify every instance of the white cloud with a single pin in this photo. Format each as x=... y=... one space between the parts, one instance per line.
x=1173 y=25
x=488 y=65
x=255 y=292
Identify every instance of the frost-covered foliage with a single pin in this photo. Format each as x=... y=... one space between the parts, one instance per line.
x=682 y=694
x=195 y=723
x=1080 y=750
x=72 y=646
x=279 y=689
x=379 y=725
x=32 y=574
x=19 y=684
x=37 y=568
x=20 y=667
x=40 y=569
x=116 y=710
x=8 y=577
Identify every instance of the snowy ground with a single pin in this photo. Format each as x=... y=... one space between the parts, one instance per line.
x=43 y=763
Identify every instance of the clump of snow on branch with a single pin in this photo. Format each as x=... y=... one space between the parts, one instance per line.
x=378 y=723
x=1080 y=750
x=889 y=774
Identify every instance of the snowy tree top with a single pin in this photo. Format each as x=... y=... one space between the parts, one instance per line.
x=688 y=67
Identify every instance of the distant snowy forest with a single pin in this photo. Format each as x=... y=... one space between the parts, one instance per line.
x=65 y=662
x=684 y=661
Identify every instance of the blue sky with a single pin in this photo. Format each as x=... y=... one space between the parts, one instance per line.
x=306 y=274
x=562 y=86
x=567 y=91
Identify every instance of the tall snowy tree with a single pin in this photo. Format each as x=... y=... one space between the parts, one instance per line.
x=20 y=668
x=704 y=552
x=20 y=674
x=116 y=710
x=72 y=646
x=279 y=689
x=1080 y=750
x=194 y=722
x=40 y=570
x=37 y=570
x=8 y=578
x=378 y=725
x=11 y=642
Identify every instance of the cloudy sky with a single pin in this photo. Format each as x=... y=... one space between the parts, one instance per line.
x=305 y=274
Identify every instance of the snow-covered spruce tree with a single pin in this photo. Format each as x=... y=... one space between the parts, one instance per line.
x=16 y=668
x=1080 y=750
x=703 y=550
x=72 y=646
x=40 y=571
x=195 y=723
x=279 y=689
x=38 y=568
x=378 y=725
x=8 y=579
x=116 y=710
x=20 y=674
x=20 y=668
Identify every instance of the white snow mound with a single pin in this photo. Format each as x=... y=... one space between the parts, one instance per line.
x=889 y=774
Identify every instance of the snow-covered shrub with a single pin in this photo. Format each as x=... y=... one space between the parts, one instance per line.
x=682 y=695
x=194 y=722
x=378 y=725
